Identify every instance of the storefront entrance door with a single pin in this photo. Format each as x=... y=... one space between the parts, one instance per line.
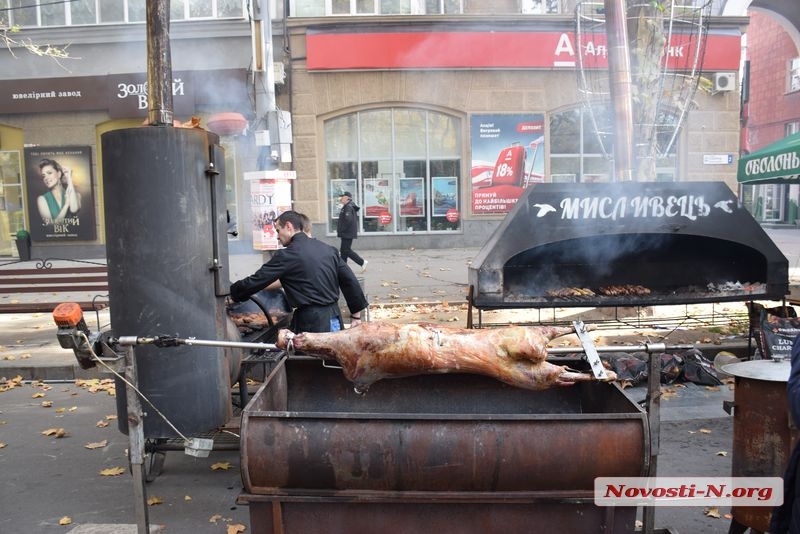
x=12 y=215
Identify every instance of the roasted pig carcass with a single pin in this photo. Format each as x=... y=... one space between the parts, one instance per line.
x=376 y=350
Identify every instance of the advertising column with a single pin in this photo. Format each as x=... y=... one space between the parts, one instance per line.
x=270 y=195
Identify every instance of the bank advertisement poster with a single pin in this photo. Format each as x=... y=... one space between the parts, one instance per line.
x=507 y=157
x=270 y=195
x=60 y=194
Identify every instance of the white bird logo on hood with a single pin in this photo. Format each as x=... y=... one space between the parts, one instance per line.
x=724 y=205
x=544 y=209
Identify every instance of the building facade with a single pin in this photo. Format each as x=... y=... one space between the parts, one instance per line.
x=770 y=109
x=435 y=114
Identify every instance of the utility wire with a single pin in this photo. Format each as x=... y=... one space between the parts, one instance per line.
x=17 y=8
x=134 y=388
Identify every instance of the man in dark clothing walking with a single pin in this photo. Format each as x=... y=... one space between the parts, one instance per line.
x=347 y=229
x=311 y=273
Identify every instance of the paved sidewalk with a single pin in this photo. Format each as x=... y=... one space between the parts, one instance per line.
x=28 y=344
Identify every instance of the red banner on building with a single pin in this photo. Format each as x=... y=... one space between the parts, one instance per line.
x=492 y=49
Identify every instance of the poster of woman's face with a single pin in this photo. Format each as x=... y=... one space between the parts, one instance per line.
x=60 y=194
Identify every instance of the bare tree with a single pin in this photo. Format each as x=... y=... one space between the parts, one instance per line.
x=10 y=36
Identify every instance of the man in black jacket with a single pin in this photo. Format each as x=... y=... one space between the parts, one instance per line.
x=786 y=517
x=347 y=229
x=311 y=273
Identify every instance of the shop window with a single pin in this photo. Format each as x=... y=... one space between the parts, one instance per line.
x=791 y=128
x=12 y=209
x=581 y=147
x=794 y=74
x=403 y=167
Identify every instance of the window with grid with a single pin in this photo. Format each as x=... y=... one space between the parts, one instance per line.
x=29 y=13
x=322 y=8
x=403 y=166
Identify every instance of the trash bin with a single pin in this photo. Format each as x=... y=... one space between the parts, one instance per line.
x=24 y=245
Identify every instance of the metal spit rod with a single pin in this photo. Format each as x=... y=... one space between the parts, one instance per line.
x=172 y=341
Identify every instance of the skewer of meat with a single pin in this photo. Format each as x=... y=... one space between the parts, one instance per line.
x=376 y=350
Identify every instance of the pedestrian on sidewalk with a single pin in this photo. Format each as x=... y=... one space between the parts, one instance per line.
x=347 y=229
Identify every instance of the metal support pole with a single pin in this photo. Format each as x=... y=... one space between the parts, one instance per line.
x=136 y=448
x=159 y=64
x=654 y=420
x=619 y=72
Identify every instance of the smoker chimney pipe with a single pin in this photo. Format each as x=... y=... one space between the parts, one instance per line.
x=159 y=64
x=619 y=71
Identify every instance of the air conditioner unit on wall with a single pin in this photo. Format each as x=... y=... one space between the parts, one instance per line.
x=724 y=81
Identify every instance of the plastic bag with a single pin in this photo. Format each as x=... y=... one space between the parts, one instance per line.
x=699 y=370
x=628 y=367
x=671 y=367
x=777 y=334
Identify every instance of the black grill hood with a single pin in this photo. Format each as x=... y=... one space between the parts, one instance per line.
x=661 y=243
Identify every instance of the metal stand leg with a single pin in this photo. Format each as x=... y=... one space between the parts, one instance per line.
x=136 y=452
x=654 y=420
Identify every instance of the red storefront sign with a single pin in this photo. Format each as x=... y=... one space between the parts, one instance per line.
x=328 y=50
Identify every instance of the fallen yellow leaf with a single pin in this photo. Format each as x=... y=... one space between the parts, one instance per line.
x=705 y=431
x=220 y=465
x=97 y=444
x=722 y=453
x=60 y=410
x=57 y=432
x=214 y=518
x=112 y=471
x=152 y=501
x=101 y=424
x=66 y=520
x=2 y=445
x=187 y=498
x=712 y=512
x=37 y=395
x=235 y=528
x=47 y=404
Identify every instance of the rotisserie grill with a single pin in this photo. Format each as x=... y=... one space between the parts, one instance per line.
x=626 y=244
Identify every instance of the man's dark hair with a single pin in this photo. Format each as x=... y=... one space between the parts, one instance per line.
x=306 y=223
x=291 y=217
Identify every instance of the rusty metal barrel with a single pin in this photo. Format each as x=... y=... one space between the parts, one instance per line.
x=436 y=446
x=762 y=437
